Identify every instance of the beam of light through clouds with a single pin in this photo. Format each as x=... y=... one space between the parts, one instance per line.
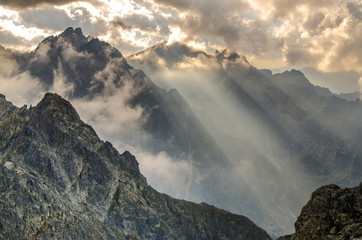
x=324 y=35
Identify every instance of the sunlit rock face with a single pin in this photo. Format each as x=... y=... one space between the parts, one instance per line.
x=59 y=181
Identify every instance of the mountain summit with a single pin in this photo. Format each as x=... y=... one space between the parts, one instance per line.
x=59 y=180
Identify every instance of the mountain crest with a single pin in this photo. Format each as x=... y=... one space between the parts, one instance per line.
x=74 y=36
x=53 y=103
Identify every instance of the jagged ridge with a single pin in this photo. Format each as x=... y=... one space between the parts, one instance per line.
x=59 y=180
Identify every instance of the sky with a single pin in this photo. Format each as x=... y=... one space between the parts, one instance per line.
x=275 y=34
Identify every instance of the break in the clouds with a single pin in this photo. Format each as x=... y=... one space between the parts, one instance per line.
x=322 y=34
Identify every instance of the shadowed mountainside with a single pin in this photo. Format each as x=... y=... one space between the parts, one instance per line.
x=59 y=180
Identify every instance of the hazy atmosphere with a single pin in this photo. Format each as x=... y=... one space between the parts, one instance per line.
x=272 y=34
x=203 y=92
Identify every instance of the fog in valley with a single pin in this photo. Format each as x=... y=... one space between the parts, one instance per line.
x=257 y=172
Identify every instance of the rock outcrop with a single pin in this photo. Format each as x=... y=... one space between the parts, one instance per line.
x=331 y=213
x=58 y=180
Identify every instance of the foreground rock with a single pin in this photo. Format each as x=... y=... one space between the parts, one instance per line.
x=58 y=180
x=331 y=213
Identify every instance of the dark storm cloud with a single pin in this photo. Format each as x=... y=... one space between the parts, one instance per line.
x=34 y=3
x=118 y=22
x=149 y=24
x=355 y=10
x=180 y=4
x=47 y=18
x=224 y=21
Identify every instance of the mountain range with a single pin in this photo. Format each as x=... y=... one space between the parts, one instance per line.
x=272 y=124
x=225 y=132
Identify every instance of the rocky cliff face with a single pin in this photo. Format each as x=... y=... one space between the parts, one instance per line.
x=331 y=213
x=58 y=180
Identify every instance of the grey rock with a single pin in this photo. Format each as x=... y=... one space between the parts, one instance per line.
x=58 y=180
x=331 y=213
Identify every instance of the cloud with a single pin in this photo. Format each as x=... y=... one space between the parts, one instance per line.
x=283 y=8
x=141 y=22
x=118 y=22
x=22 y=89
x=19 y=88
x=90 y=22
x=168 y=175
x=8 y=37
x=112 y=118
x=46 y=18
x=338 y=82
x=33 y=3
x=295 y=34
x=60 y=84
x=228 y=24
x=355 y=9
x=321 y=34
x=41 y=55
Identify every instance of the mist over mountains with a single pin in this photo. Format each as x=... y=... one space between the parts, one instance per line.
x=268 y=125
x=204 y=127
x=60 y=181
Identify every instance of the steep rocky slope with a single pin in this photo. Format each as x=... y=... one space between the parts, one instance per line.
x=331 y=213
x=58 y=180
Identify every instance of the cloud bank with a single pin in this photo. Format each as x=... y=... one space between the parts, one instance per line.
x=321 y=34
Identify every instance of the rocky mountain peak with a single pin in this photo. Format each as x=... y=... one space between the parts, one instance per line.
x=52 y=103
x=331 y=213
x=72 y=32
x=5 y=106
x=74 y=36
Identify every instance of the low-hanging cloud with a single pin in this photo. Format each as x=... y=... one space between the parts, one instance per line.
x=166 y=174
x=19 y=88
x=112 y=118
